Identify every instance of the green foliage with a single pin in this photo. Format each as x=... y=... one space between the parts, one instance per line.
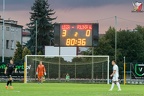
x=77 y=59
x=39 y=53
x=104 y=48
x=18 y=52
x=106 y=45
x=25 y=52
x=140 y=29
x=129 y=44
x=41 y=14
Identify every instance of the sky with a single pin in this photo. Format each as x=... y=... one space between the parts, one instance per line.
x=80 y=11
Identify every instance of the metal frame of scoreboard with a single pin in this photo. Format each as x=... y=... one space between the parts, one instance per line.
x=76 y=34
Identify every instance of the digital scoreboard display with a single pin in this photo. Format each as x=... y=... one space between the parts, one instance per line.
x=76 y=34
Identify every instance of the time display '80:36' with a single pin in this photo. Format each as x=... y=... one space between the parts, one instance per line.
x=75 y=39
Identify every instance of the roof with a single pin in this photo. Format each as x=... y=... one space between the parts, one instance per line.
x=25 y=34
x=10 y=22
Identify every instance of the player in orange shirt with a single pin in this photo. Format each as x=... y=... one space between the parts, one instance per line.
x=40 y=72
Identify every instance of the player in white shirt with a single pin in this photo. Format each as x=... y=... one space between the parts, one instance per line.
x=115 y=76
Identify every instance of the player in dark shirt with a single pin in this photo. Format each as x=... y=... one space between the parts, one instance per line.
x=10 y=67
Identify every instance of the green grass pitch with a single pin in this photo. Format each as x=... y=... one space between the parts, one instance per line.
x=69 y=89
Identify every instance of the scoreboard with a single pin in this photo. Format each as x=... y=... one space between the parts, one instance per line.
x=76 y=34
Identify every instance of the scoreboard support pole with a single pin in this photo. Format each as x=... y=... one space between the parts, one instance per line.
x=92 y=74
x=59 y=66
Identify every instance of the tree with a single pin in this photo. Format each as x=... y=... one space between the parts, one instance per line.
x=25 y=52
x=40 y=16
x=39 y=53
x=18 y=52
x=105 y=45
x=129 y=44
x=140 y=29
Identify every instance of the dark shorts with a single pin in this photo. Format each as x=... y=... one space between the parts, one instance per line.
x=9 y=75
